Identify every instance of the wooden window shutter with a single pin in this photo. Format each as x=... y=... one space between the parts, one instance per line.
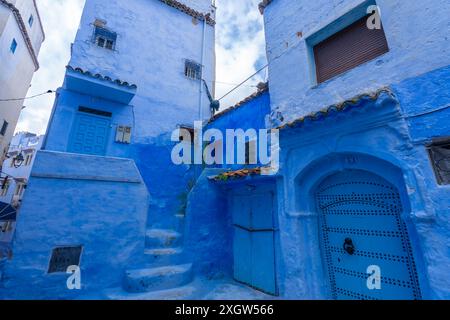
x=348 y=49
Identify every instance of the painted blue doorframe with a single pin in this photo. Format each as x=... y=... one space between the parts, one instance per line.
x=254 y=240
x=361 y=226
x=90 y=134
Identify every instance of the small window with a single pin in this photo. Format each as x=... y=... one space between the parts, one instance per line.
x=193 y=70
x=4 y=128
x=19 y=189
x=440 y=159
x=28 y=159
x=105 y=38
x=31 y=21
x=13 y=47
x=123 y=134
x=347 y=49
x=4 y=189
x=64 y=257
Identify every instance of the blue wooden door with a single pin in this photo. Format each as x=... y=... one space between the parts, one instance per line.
x=361 y=226
x=90 y=134
x=254 y=235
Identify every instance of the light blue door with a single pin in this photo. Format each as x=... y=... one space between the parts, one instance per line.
x=254 y=236
x=361 y=227
x=90 y=134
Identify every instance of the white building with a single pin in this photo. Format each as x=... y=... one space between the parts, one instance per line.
x=21 y=36
x=17 y=172
x=25 y=144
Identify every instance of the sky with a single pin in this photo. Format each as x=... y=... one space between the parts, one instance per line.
x=240 y=50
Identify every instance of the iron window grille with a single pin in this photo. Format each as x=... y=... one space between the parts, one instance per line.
x=439 y=153
x=193 y=70
x=64 y=257
x=105 y=38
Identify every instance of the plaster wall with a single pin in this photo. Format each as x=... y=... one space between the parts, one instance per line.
x=417 y=35
x=376 y=140
x=102 y=206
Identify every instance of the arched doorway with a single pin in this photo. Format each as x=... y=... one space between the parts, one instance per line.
x=362 y=235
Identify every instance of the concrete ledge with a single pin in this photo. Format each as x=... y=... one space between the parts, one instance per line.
x=69 y=166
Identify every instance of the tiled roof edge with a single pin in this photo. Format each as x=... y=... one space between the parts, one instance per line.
x=340 y=107
x=264 y=88
x=101 y=77
x=193 y=13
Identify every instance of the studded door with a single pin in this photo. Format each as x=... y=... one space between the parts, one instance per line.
x=363 y=237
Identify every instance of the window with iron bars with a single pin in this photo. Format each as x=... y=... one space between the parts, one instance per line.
x=439 y=152
x=193 y=70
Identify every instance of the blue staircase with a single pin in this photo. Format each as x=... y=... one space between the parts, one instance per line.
x=165 y=268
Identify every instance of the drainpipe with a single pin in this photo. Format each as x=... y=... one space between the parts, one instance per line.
x=202 y=66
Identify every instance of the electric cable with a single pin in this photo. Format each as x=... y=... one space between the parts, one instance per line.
x=28 y=98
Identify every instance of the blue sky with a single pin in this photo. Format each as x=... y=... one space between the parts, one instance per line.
x=240 y=52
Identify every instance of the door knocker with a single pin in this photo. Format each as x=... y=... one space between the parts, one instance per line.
x=349 y=247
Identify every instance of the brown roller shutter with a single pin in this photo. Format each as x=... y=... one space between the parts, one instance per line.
x=348 y=49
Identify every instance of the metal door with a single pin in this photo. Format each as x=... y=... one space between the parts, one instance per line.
x=90 y=134
x=254 y=248
x=361 y=227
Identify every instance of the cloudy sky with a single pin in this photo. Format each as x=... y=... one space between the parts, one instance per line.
x=240 y=52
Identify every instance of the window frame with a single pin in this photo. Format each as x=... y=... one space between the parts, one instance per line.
x=440 y=174
x=325 y=32
x=193 y=70
x=104 y=38
x=4 y=191
x=29 y=159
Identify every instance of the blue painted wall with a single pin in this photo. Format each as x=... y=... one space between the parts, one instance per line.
x=63 y=119
x=96 y=202
x=208 y=229
x=165 y=97
x=375 y=139
x=417 y=35
x=252 y=114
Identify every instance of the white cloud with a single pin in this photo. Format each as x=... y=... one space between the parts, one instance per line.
x=240 y=46
x=60 y=19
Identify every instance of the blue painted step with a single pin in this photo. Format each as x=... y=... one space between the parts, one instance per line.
x=156 y=279
x=158 y=238
x=164 y=256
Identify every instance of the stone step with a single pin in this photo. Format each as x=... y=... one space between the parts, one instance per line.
x=180 y=293
x=159 y=238
x=166 y=256
x=155 y=279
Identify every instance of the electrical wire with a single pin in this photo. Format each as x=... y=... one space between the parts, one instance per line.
x=234 y=84
x=242 y=83
x=27 y=98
